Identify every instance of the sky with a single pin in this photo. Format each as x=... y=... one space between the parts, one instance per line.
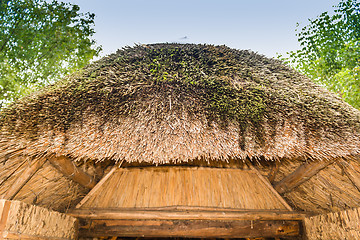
x=264 y=26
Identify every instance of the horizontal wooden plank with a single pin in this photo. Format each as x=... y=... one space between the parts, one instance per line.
x=191 y=228
x=186 y=214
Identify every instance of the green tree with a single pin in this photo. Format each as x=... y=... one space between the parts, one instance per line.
x=41 y=41
x=330 y=52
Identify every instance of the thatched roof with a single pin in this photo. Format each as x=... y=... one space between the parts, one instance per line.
x=166 y=103
x=190 y=105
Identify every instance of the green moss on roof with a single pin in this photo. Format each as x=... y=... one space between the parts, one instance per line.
x=226 y=85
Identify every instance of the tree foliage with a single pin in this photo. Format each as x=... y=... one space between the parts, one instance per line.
x=330 y=52
x=41 y=41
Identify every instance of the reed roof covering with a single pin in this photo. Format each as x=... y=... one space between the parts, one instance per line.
x=172 y=103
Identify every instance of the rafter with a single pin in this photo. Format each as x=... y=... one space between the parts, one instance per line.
x=302 y=174
x=64 y=165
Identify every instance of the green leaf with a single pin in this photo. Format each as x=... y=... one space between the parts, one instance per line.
x=330 y=52
x=40 y=42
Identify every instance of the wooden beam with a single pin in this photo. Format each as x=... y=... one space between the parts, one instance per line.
x=64 y=165
x=24 y=177
x=302 y=174
x=190 y=214
x=191 y=228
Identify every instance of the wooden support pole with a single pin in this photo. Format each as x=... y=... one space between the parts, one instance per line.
x=191 y=228
x=301 y=175
x=34 y=166
x=64 y=165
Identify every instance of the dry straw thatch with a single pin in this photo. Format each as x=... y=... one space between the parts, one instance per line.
x=337 y=225
x=172 y=103
x=47 y=188
x=184 y=104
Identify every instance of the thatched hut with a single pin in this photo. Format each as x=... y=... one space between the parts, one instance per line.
x=172 y=140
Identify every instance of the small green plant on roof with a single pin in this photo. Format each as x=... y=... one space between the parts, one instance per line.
x=330 y=52
x=41 y=41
